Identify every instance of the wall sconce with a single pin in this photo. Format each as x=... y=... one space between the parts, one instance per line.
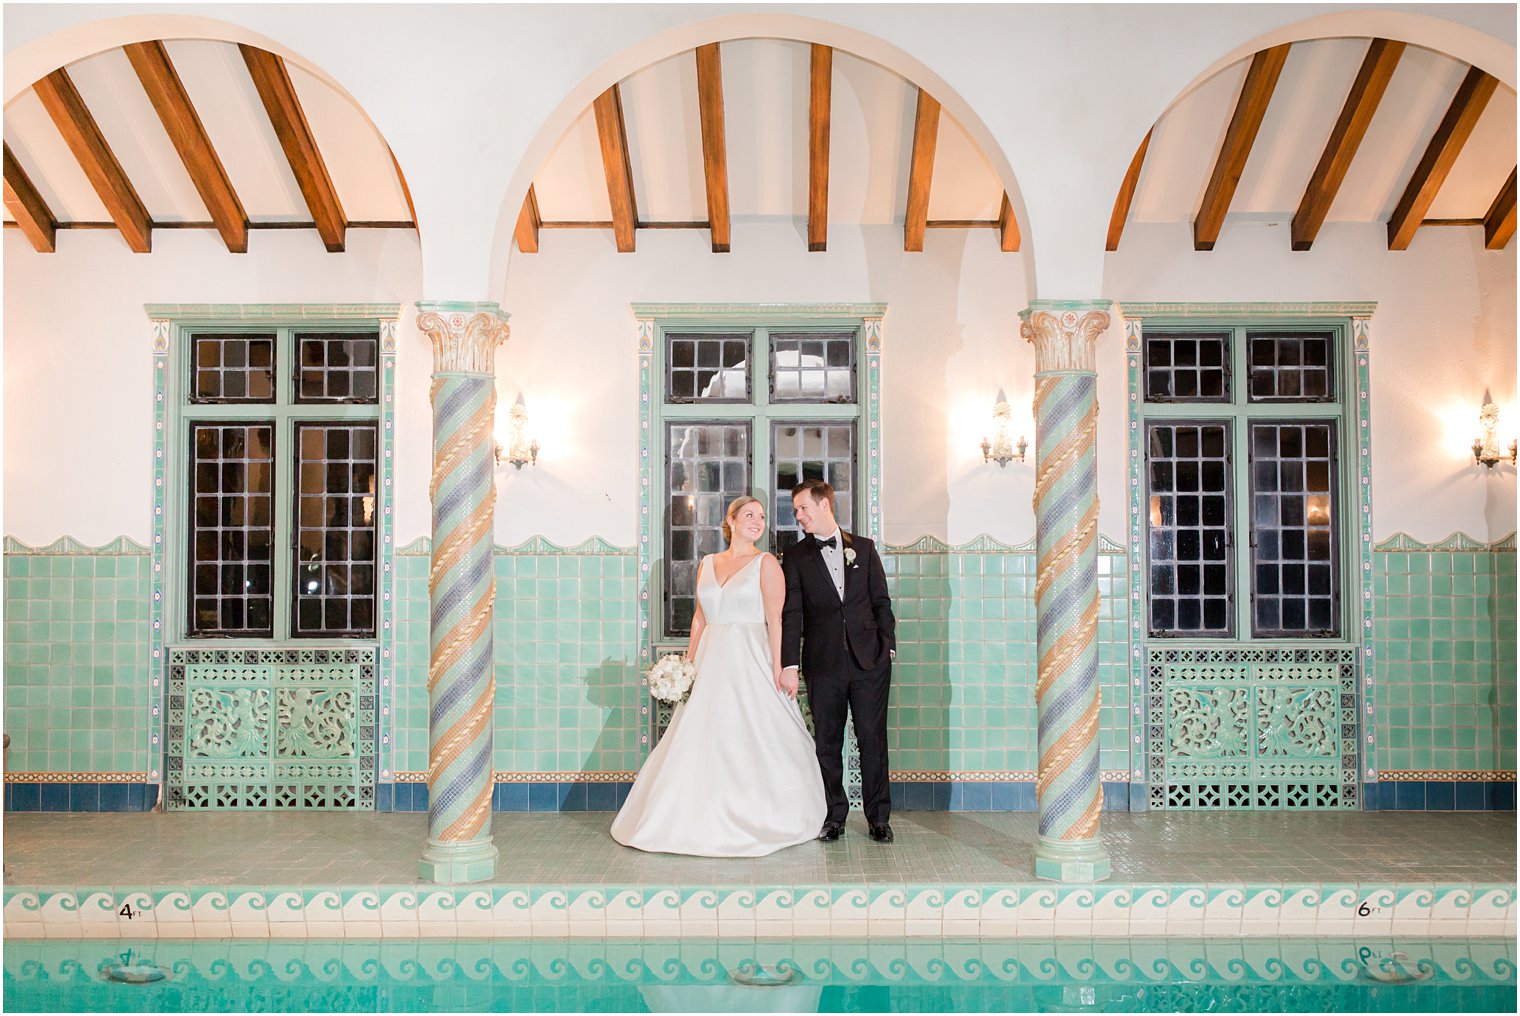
x=1485 y=449
x=1000 y=447
x=521 y=448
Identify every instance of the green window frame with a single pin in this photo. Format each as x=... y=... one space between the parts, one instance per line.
x=287 y=414
x=1238 y=413
x=761 y=411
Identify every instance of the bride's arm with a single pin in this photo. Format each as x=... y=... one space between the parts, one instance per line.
x=698 y=622
x=773 y=592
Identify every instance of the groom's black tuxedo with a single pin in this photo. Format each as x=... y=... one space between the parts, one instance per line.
x=844 y=646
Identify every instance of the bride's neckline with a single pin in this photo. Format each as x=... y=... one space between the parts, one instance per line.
x=723 y=583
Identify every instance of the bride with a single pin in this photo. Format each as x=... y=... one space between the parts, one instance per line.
x=736 y=773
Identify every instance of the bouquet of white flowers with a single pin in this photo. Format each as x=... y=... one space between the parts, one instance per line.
x=670 y=679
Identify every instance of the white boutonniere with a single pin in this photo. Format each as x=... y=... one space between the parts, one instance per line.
x=849 y=556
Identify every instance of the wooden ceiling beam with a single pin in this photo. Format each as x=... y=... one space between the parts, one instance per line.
x=1345 y=138
x=1440 y=155
x=1499 y=223
x=278 y=94
x=1008 y=227
x=613 y=136
x=820 y=103
x=921 y=170
x=1126 y=197
x=1245 y=122
x=188 y=135
x=64 y=104
x=36 y=221
x=714 y=143
x=529 y=222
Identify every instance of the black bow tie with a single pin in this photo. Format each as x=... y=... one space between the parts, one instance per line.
x=832 y=541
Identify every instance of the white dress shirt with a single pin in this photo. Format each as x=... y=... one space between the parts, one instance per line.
x=833 y=557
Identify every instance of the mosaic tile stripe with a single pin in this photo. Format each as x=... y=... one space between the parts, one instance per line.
x=1460 y=910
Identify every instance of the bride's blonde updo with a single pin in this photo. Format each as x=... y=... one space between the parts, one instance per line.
x=736 y=506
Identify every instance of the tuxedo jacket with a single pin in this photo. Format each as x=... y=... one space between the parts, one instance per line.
x=820 y=631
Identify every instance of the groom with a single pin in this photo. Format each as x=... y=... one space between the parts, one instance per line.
x=838 y=610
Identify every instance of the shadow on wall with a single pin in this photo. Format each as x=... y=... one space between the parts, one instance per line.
x=613 y=686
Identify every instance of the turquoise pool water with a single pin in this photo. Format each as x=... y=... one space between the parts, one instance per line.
x=438 y=975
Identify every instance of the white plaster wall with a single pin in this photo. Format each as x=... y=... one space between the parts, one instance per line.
x=1443 y=335
x=78 y=441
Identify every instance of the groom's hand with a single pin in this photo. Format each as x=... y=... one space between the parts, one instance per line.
x=786 y=682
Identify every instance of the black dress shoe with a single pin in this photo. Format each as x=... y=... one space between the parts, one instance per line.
x=881 y=833
x=831 y=832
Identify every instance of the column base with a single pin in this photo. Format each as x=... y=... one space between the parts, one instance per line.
x=454 y=863
x=1071 y=860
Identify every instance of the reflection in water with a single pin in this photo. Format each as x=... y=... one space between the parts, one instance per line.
x=918 y=975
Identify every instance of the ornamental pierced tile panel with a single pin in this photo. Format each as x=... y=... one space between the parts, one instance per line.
x=1295 y=721
x=271 y=729
x=1208 y=722
x=1252 y=728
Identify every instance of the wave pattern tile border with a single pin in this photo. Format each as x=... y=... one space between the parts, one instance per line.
x=855 y=911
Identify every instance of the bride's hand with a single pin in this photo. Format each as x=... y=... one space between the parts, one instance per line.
x=786 y=682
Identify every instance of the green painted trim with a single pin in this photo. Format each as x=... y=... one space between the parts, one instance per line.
x=534 y=546
x=1058 y=306
x=1456 y=542
x=272 y=312
x=985 y=544
x=122 y=546
x=461 y=307
x=1135 y=310
x=769 y=312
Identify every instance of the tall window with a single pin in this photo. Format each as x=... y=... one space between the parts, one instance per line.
x=282 y=444
x=1242 y=434
x=751 y=411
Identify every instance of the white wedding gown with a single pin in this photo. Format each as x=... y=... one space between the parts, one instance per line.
x=735 y=774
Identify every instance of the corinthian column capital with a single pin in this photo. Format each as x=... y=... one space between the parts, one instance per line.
x=1064 y=334
x=464 y=335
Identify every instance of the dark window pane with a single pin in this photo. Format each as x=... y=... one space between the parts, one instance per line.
x=1293 y=525
x=231 y=467
x=707 y=367
x=1187 y=367
x=1291 y=367
x=335 y=526
x=232 y=367
x=1189 y=536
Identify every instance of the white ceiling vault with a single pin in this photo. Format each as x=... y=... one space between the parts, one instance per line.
x=221 y=89
x=766 y=93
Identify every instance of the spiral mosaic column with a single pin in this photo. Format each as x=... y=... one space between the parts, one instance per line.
x=1066 y=588
x=461 y=590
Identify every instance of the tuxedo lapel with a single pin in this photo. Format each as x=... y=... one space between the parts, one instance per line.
x=845 y=542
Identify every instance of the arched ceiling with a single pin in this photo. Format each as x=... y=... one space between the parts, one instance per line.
x=120 y=91
x=767 y=110
x=1312 y=94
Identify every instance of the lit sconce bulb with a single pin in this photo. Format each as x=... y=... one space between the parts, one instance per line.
x=1485 y=448
x=1000 y=447
x=522 y=447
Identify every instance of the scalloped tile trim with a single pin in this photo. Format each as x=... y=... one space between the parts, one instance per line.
x=122 y=546
x=535 y=546
x=1453 y=543
x=1104 y=910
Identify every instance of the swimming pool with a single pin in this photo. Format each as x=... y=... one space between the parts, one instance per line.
x=585 y=975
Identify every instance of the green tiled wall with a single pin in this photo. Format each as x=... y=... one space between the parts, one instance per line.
x=963 y=683
x=76 y=662
x=566 y=671
x=1444 y=628
x=567 y=688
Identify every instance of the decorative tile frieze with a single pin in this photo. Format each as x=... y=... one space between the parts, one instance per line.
x=122 y=546
x=1454 y=775
x=1457 y=542
x=878 y=910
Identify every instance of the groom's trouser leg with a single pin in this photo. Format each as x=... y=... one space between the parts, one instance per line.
x=868 y=705
x=829 y=702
